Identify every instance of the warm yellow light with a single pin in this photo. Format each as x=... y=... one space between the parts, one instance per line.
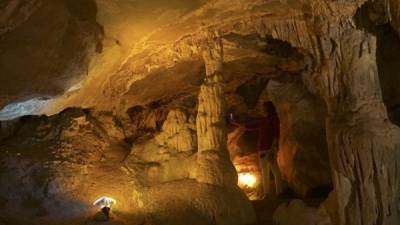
x=105 y=202
x=247 y=180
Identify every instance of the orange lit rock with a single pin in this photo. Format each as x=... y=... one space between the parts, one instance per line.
x=134 y=64
x=303 y=152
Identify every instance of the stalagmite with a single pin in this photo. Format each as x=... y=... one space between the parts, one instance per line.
x=177 y=133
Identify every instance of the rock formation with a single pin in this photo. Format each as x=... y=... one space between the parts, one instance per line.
x=120 y=80
x=297 y=212
x=214 y=165
x=303 y=151
x=48 y=42
x=54 y=168
x=198 y=166
x=360 y=137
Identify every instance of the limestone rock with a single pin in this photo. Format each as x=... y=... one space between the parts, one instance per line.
x=353 y=121
x=45 y=42
x=303 y=151
x=177 y=133
x=13 y=13
x=7 y=128
x=298 y=213
x=54 y=168
x=213 y=162
x=169 y=155
x=52 y=49
x=197 y=203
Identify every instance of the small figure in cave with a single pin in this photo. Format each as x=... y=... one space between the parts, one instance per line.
x=106 y=211
x=103 y=215
x=267 y=146
x=105 y=203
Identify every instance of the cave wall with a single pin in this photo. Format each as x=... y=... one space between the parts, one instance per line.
x=341 y=69
x=373 y=151
x=387 y=59
x=380 y=20
x=212 y=170
x=55 y=171
x=7 y=129
x=62 y=162
x=303 y=151
x=45 y=42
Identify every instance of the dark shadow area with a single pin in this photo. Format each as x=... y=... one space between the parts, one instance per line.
x=251 y=90
x=371 y=17
x=51 y=48
x=388 y=59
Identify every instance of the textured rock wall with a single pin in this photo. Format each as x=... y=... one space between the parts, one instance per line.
x=297 y=212
x=388 y=44
x=168 y=156
x=45 y=42
x=7 y=129
x=350 y=92
x=303 y=151
x=198 y=166
x=53 y=168
x=341 y=69
x=178 y=132
x=363 y=151
x=13 y=13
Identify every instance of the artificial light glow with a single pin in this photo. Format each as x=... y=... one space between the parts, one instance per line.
x=105 y=202
x=247 y=180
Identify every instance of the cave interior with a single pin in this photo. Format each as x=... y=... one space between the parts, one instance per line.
x=135 y=112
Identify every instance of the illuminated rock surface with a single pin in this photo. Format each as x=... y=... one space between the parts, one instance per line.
x=151 y=84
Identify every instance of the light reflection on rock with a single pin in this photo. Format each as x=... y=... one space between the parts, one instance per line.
x=33 y=106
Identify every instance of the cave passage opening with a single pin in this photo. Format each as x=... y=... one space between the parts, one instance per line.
x=34 y=106
x=253 y=145
x=302 y=157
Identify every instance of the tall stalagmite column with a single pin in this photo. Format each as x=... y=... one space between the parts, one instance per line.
x=363 y=144
x=213 y=162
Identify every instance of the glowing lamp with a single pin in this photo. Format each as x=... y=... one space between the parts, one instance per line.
x=247 y=180
x=105 y=202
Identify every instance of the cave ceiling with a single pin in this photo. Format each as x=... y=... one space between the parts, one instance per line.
x=108 y=54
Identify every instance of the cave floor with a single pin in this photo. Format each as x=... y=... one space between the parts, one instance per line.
x=265 y=208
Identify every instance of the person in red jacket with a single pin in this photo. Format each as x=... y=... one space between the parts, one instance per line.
x=268 y=128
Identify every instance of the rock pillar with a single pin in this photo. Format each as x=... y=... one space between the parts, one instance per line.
x=214 y=165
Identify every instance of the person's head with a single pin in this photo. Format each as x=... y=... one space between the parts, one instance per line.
x=269 y=108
